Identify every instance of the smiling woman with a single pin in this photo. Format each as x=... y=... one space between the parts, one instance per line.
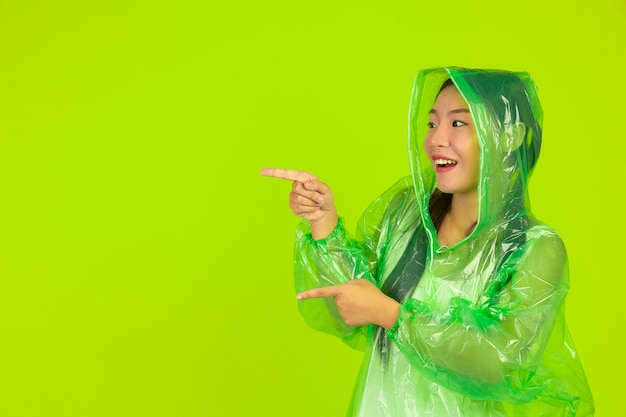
x=452 y=287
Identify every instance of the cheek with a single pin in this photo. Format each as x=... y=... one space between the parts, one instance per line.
x=471 y=151
x=474 y=147
x=469 y=148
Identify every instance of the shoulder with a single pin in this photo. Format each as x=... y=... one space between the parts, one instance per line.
x=544 y=252
x=544 y=236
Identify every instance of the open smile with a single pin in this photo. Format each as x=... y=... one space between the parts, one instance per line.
x=444 y=165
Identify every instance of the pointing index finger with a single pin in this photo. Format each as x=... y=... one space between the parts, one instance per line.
x=321 y=292
x=288 y=174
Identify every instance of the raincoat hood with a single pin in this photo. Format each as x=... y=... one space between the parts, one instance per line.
x=507 y=116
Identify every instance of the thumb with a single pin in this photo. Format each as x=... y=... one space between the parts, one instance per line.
x=317 y=185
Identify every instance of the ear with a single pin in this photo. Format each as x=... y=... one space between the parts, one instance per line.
x=514 y=136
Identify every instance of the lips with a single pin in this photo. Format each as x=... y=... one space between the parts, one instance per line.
x=443 y=164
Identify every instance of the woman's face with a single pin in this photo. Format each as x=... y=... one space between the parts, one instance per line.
x=452 y=145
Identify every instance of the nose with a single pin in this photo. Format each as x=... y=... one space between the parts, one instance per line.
x=439 y=137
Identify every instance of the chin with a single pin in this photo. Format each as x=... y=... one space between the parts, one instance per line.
x=452 y=189
x=446 y=188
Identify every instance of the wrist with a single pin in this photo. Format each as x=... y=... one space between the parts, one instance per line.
x=389 y=314
x=324 y=226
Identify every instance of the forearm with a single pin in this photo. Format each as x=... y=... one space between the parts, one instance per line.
x=386 y=313
x=336 y=259
x=333 y=260
x=481 y=352
x=322 y=228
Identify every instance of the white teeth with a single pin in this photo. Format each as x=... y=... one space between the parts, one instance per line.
x=444 y=162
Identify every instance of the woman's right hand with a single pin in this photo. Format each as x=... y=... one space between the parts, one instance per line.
x=310 y=199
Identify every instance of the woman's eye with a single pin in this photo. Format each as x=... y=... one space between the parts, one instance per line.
x=458 y=123
x=431 y=125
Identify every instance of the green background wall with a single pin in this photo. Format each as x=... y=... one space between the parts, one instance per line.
x=145 y=266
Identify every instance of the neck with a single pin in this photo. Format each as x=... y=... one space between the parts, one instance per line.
x=464 y=210
x=459 y=221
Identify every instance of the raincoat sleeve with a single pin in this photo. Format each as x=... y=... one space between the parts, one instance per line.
x=341 y=257
x=492 y=349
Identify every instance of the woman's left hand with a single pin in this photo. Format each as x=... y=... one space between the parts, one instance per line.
x=359 y=302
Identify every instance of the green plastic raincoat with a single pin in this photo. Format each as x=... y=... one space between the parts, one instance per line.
x=481 y=330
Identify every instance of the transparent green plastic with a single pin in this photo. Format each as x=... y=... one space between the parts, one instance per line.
x=483 y=333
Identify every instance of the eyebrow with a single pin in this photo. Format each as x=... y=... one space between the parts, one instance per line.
x=455 y=111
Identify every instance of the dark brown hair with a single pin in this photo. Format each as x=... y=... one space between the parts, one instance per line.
x=439 y=206
x=447 y=83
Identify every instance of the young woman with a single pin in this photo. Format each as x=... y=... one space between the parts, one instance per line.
x=451 y=286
